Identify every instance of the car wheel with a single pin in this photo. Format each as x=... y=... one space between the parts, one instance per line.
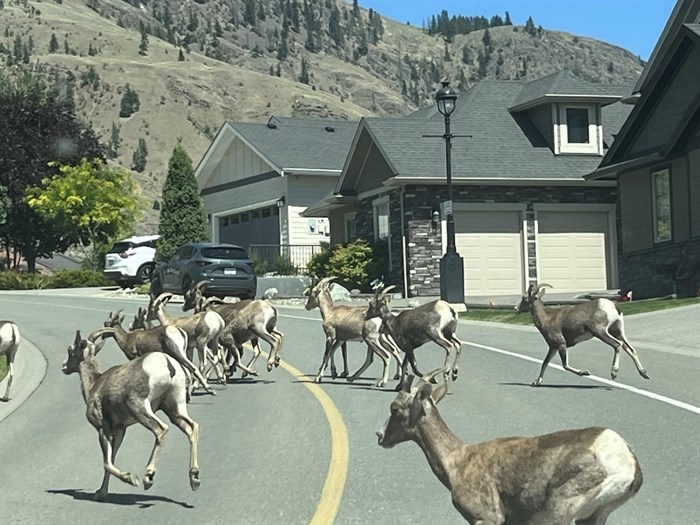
x=156 y=287
x=144 y=273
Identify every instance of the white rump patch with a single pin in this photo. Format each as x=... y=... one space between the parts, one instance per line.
x=615 y=456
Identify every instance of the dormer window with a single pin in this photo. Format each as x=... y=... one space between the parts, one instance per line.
x=577 y=129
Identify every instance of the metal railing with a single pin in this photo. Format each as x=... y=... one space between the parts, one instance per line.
x=282 y=258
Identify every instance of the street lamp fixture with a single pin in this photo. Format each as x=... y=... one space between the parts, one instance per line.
x=451 y=264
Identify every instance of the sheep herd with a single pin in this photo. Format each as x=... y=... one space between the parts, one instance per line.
x=490 y=482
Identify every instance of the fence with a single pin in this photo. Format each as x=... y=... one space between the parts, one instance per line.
x=280 y=257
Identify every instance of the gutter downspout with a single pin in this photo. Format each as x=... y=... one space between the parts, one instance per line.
x=403 y=246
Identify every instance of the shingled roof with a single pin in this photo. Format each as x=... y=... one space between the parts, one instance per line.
x=560 y=84
x=300 y=143
x=503 y=145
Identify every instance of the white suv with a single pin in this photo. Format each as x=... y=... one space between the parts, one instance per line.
x=131 y=261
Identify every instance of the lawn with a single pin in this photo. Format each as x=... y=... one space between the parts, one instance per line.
x=508 y=315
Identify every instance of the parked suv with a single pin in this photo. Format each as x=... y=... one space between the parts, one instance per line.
x=227 y=268
x=131 y=261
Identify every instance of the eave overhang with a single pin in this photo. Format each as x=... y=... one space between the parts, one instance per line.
x=603 y=100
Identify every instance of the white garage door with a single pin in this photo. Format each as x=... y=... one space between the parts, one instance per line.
x=572 y=250
x=491 y=244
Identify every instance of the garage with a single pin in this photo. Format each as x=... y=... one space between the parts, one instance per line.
x=261 y=226
x=490 y=242
x=573 y=250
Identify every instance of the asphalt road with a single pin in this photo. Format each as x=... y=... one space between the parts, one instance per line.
x=278 y=450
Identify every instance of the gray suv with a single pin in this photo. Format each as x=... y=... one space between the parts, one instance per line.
x=226 y=268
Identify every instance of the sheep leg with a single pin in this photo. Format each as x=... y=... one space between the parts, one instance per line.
x=10 y=373
x=279 y=336
x=550 y=354
x=116 y=441
x=344 y=351
x=110 y=468
x=255 y=343
x=273 y=342
x=567 y=367
x=159 y=429
x=191 y=429
x=458 y=352
x=404 y=365
x=331 y=345
x=445 y=343
x=619 y=333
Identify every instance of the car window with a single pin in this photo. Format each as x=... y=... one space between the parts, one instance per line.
x=186 y=252
x=224 y=252
x=120 y=247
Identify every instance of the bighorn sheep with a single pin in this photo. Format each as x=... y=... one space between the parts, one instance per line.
x=572 y=476
x=9 y=343
x=249 y=320
x=131 y=393
x=343 y=323
x=203 y=329
x=434 y=321
x=143 y=341
x=565 y=326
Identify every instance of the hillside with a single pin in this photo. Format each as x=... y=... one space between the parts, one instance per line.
x=204 y=62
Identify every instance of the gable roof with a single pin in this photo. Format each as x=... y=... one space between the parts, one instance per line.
x=503 y=145
x=667 y=69
x=294 y=143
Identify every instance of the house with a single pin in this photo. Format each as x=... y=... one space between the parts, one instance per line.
x=522 y=209
x=655 y=161
x=256 y=178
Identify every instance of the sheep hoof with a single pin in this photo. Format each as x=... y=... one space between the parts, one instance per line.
x=613 y=374
x=644 y=374
x=148 y=480
x=536 y=382
x=317 y=379
x=100 y=495
x=584 y=373
x=132 y=480
x=334 y=375
x=343 y=374
x=194 y=479
x=380 y=384
x=4 y=399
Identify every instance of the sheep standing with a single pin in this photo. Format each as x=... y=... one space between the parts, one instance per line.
x=9 y=344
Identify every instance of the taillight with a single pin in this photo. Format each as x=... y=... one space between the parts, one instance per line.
x=202 y=263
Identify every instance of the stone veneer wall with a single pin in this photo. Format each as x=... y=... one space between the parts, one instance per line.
x=662 y=270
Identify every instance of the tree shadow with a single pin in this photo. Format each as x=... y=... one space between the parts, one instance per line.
x=545 y=385
x=144 y=501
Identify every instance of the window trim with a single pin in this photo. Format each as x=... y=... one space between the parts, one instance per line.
x=347 y=217
x=594 y=130
x=375 y=222
x=654 y=203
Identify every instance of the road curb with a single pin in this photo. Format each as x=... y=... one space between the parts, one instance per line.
x=30 y=370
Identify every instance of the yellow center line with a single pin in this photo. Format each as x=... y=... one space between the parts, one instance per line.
x=332 y=492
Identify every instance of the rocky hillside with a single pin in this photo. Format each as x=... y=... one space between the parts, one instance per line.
x=194 y=64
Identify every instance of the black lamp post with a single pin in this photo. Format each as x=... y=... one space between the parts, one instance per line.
x=451 y=264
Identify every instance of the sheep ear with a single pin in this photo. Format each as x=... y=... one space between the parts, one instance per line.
x=407 y=383
x=422 y=393
x=78 y=338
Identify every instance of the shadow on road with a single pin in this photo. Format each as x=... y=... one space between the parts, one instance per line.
x=544 y=385
x=142 y=500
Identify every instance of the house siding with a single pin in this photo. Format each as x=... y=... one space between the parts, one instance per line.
x=376 y=171
x=672 y=106
x=541 y=118
x=694 y=192
x=241 y=197
x=424 y=246
x=302 y=192
x=238 y=163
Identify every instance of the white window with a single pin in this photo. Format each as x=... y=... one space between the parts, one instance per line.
x=661 y=194
x=578 y=130
x=380 y=209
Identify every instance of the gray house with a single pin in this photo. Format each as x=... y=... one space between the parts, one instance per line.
x=655 y=161
x=522 y=209
x=256 y=178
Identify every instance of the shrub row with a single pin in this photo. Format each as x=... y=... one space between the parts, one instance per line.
x=11 y=280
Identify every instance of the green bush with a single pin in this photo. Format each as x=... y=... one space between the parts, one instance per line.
x=355 y=264
x=11 y=280
x=284 y=266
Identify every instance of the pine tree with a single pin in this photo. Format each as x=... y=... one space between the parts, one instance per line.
x=466 y=55
x=91 y=50
x=180 y=56
x=53 y=44
x=508 y=21
x=140 y=157
x=115 y=142
x=530 y=27
x=304 y=75
x=130 y=103
x=282 y=49
x=143 y=46
x=182 y=217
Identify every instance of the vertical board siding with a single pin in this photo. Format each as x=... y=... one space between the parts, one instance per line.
x=636 y=210
x=238 y=163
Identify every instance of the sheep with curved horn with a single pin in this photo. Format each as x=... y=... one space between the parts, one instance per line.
x=565 y=326
x=577 y=476
x=128 y=394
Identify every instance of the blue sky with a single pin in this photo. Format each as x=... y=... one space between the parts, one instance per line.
x=632 y=24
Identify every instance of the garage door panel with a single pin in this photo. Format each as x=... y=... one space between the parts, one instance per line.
x=572 y=250
x=490 y=243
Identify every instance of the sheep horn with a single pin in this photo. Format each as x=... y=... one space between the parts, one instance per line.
x=541 y=289
x=388 y=289
x=163 y=298
x=407 y=383
x=427 y=378
x=326 y=280
x=200 y=285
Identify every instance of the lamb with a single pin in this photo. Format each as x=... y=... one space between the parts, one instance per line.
x=571 y=476
x=128 y=394
x=564 y=327
x=9 y=344
x=434 y=321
